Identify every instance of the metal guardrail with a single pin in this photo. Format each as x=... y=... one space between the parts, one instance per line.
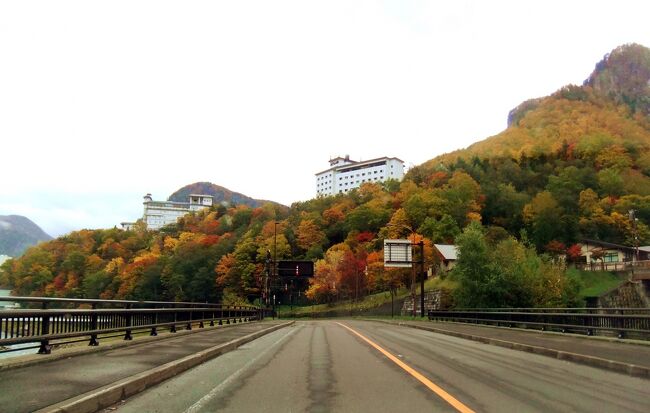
x=623 y=322
x=18 y=326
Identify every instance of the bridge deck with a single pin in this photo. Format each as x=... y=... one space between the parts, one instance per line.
x=35 y=387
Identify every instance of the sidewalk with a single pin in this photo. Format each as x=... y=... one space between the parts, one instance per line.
x=625 y=356
x=36 y=386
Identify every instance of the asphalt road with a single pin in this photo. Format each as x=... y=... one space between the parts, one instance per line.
x=321 y=366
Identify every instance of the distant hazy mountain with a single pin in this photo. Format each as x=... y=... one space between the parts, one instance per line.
x=219 y=193
x=18 y=233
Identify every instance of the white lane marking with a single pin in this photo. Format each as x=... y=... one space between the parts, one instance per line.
x=215 y=391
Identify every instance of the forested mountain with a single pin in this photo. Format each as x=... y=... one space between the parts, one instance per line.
x=17 y=233
x=219 y=193
x=569 y=166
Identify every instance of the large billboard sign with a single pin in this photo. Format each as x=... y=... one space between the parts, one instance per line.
x=398 y=253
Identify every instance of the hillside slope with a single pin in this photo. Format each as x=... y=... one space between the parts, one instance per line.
x=610 y=108
x=569 y=166
x=219 y=193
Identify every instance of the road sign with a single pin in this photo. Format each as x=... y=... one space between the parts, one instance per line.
x=398 y=253
x=295 y=268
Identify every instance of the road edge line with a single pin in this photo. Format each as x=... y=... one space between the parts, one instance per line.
x=632 y=370
x=112 y=393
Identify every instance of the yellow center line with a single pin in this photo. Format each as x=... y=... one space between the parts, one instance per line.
x=432 y=386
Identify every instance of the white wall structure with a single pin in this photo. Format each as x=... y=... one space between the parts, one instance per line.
x=157 y=214
x=345 y=174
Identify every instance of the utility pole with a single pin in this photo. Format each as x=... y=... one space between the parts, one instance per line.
x=422 y=277
x=635 y=234
x=267 y=277
x=275 y=258
x=275 y=246
x=413 y=279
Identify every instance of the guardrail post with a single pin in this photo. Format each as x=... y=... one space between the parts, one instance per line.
x=619 y=323
x=154 y=330
x=589 y=322
x=173 y=328
x=127 y=335
x=93 y=326
x=45 y=347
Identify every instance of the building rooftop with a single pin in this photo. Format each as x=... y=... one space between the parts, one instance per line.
x=448 y=252
x=355 y=163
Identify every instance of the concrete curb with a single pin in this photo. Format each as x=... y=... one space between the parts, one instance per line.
x=32 y=359
x=110 y=394
x=629 y=369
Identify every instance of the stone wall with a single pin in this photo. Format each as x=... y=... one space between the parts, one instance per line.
x=631 y=294
x=433 y=300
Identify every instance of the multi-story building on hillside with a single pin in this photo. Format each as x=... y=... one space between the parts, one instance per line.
x=345 y=174
x=157 y=214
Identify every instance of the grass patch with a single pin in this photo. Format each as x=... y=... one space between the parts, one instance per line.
x=595 y=283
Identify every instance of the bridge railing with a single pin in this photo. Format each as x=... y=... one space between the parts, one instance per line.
x=614 y=266
x=622 y=322
x=66 y=325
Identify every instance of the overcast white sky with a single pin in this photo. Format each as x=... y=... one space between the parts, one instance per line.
x=102 y=102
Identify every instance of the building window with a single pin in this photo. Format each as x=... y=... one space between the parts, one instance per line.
x=610 y=257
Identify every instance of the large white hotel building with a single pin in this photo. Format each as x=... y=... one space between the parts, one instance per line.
x=157 y=214
x=345 y=174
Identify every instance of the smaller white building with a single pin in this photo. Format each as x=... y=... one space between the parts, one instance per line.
x=157 y=214
x=345 y=174
x=448 y=256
